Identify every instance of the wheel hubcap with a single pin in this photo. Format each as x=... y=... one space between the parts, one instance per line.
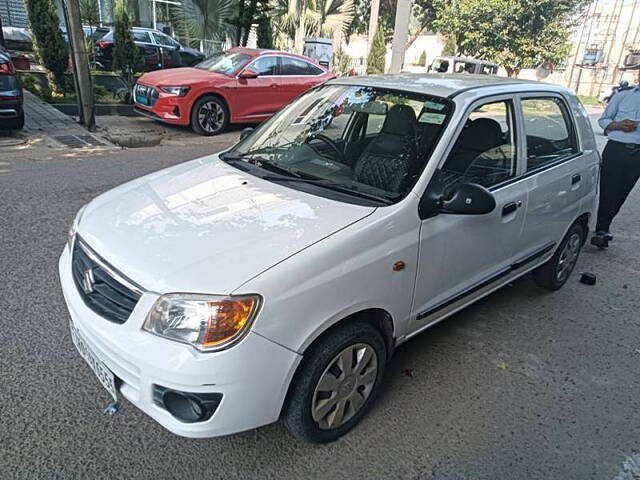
x=568 y=258
x=344 y=386
x=211 y=117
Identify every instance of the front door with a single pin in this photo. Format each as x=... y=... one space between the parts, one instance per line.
x=462 y=254
x=259 y=98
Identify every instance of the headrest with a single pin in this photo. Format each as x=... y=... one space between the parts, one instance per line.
x=481 y=134
x=400 y=120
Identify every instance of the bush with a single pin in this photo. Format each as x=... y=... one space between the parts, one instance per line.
x=341 y=62
x=378 y=53
x=422 y=59
x=48 y=42
x=126 y=56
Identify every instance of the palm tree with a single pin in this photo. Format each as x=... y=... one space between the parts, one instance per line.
x=298 y=18
x=208 y=19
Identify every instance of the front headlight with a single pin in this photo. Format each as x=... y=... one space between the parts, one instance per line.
x=177 y=91
x=207 y=322
x=74 y=227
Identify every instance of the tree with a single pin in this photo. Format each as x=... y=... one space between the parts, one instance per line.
x=126 y=56
x=450 y=48
x=516 y=34
x=341 y=62
x=378 y=54
x=299 y=18
x=249 y=12
x=49 y=44
x=90 y=15
x=265 y=33
x=208 y=19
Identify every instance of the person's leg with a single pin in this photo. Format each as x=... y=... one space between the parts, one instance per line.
x=611 y=175
x=630 y=171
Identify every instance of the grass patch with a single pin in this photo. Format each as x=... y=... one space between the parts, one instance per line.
x=589 y=100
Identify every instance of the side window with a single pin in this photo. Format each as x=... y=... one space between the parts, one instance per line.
x=265 y=66
x=313 y=70
x=549 y=131
x=164 y=40
x=141 y=36
x=485 y=152
x=374 y=124
x=293 y=66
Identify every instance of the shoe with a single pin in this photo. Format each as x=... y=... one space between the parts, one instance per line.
x=608 y=236
x=600 y=239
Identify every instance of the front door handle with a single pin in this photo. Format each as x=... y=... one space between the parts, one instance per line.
x=576 y=179
x=509 y=208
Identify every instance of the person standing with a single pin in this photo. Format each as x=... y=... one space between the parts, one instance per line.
x=620 y=159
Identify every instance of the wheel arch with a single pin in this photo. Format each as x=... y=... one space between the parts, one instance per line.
x=583 y=220
x=378 y=318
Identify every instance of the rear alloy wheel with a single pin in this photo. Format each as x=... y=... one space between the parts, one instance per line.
x=336 y=383
x=209 y=116
x=556 y=271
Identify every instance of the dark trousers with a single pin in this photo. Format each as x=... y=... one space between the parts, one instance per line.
x=620 y=172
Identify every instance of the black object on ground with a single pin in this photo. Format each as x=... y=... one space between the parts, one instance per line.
x=588 y=278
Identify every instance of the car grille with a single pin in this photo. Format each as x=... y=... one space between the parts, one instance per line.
x=149 y=92
x=98 y=286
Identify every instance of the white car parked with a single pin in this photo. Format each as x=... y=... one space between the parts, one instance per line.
x=275 y=280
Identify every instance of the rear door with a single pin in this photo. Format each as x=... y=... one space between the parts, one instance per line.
x=298 y=76
x=555 y=171
x=149 y=51
x=258 y=98
x=168 y=50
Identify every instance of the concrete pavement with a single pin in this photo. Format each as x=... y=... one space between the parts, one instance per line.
x=526 y=384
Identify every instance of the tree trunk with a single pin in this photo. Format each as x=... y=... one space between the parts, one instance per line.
x=400 y=35
x=373 y=24
x=298 y=43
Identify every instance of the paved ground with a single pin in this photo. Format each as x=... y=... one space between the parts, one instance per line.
x=524 y=385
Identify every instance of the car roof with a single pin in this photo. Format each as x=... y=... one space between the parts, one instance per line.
x=448 y=84
x=256 y=52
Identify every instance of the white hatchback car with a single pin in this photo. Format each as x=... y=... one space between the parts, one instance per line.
x=274 y=280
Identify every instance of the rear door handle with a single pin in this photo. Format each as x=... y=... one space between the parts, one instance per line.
x=576 y=179
x=509 y=208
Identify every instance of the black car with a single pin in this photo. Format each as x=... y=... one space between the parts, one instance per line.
x=11 y=112
x=157 y=50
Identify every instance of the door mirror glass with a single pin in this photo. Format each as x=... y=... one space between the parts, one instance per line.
x=469 y=199
x=248 y=74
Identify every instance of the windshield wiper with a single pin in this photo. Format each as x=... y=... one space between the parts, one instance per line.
x=260 y=162
x=332 y=186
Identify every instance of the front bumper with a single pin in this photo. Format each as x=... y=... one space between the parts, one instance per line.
x=253 y=376
x=167 y=108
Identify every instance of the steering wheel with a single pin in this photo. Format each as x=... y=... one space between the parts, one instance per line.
x=334 y=146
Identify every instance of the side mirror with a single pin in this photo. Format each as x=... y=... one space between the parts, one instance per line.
x=469 y=199
x=246 y=74
x=245 y=133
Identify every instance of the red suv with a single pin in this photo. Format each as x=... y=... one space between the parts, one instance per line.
x=240 y=86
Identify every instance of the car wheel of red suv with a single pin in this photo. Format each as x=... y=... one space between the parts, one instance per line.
x=209 y=116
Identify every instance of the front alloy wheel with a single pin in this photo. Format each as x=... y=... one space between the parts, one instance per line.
x=209 y=116
x=336 y=382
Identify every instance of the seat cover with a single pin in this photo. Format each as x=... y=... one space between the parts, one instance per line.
x=390 y=159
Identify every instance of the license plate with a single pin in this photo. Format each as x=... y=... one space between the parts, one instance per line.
x=142 y=99
x=106 y=377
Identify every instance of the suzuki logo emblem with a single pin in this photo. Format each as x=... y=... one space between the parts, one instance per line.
x=88 y=281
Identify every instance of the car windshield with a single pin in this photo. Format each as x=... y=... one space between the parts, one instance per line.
x=226 y=63
x=353 y=143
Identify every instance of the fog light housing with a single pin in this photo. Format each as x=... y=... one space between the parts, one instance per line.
x=187 y=407
x=176 y=111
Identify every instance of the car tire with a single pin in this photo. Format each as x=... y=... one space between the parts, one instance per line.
x=216 y=117
x=323 y=387
x=553 y=274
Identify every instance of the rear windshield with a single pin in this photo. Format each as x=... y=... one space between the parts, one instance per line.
x=8 y=83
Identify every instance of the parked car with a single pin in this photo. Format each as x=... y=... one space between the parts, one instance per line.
x=462 y=65
x=92 y=32
x=157 y=50
x=17 y=39
x=276 y=279
x=11 y=98
x=240 y=86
